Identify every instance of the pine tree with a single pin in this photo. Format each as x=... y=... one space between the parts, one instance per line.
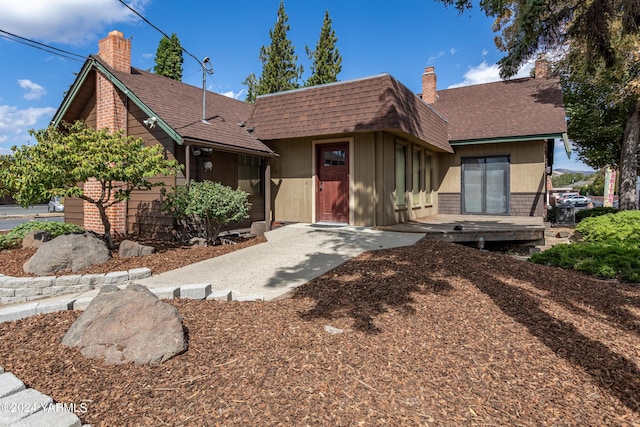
x=326 y=58
x=279 y=69
x=169 y=58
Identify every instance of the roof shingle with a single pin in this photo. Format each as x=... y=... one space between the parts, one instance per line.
x=180 y=106
x=505 y=109
x=365 y=105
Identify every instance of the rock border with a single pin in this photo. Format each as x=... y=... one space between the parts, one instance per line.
x=201 y=291
x=25 y=289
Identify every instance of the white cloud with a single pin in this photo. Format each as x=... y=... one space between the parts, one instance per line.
x=33 y=90
x=14 y=122
x=234 y=95
x=452 y=51
x=147 y=55
x=433 y=58
x=485 y=73
x=71 y=22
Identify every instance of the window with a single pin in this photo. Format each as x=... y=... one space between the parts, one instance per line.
x=401 y=175
x=415 y=182
x=334 y=158
x=427 y=179
x=249 y=174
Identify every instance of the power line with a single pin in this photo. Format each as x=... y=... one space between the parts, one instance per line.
x=161 y=32
x=41 y=46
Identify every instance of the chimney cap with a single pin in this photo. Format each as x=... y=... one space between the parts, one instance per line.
x=116 y=33
x=430 y=69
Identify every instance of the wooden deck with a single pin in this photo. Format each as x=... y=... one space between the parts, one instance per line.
x=475 y=228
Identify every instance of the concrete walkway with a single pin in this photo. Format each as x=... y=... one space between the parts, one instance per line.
x=292 y=255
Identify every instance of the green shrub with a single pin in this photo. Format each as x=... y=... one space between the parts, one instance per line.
x=600 y=259
x=622 y=227
x=204 y=207
x=599 y=211
x=55 y=228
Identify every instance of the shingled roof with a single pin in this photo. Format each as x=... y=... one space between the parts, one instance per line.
x=371 y=104
x=507 y=109
x=180 y=106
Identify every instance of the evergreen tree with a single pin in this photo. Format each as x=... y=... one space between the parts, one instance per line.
x=279 y=69
x=327 y=62
x=169 y=58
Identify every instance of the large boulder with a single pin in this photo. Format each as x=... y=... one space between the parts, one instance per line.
x=74 y=252
x=130 y=325
x=129 y=248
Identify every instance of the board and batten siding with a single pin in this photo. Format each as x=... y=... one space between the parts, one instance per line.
x=292 y=180
x=527 y=175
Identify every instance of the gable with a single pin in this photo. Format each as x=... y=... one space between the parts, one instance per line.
x=522 y=108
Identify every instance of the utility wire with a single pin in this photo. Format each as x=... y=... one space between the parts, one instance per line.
x=41 y=46
x=164 y=34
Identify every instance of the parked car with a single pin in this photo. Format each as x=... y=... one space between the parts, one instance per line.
x=576 y=200
x=56 y=204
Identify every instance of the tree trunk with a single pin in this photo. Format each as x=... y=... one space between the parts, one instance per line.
x=629 y=161
x=107 y=226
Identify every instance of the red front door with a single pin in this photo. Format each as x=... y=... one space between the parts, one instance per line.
x=332 y=183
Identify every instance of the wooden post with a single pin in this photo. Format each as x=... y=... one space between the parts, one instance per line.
x=267 y=195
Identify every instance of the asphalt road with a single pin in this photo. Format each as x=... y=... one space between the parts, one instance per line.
x=13 y=215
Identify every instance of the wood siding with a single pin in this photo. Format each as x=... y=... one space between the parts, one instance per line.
x=372 y=192
x=292 y=180
x=526 y=159
x=143 y=208
x=527 y=176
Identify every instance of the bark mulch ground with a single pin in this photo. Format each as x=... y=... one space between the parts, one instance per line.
x=435 y=334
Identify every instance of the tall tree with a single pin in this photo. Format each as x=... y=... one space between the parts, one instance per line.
x=327 y=62
x=600 y=31
x=279 y=69
x=169 y=58
x=65 y=157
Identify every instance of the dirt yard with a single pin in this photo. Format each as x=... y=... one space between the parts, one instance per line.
x=435 y=334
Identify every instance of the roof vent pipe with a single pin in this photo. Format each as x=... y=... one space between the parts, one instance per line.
x=206 y=69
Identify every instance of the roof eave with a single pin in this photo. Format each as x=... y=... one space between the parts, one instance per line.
x=229 y=148
x=497 y=140
x=82 y=76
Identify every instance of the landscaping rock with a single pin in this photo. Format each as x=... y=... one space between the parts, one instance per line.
x=198 y=241
x=130 y=325
x=35 y=239
x=73 y=252
x=129 y=248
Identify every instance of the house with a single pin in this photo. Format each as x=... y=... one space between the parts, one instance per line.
x=366 y=152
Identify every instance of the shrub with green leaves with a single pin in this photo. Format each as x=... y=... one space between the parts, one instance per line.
x=607 y=261
x=56 y=229
x=622 y=227
x=598 y=211
x=611 y=248
x=203 y=208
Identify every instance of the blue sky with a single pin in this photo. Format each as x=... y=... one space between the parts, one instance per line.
x=399 y=38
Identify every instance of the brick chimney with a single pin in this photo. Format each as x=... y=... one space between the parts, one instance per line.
x=429 y=86
x=115 y=50
x=541 y=70
x=111 y=113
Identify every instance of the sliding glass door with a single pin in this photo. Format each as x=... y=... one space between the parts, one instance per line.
x=485 y=185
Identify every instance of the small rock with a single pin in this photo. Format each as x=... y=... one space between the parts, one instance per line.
x=333 y=330
x=198 y=241
x=35 y=239
x=129 y=249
